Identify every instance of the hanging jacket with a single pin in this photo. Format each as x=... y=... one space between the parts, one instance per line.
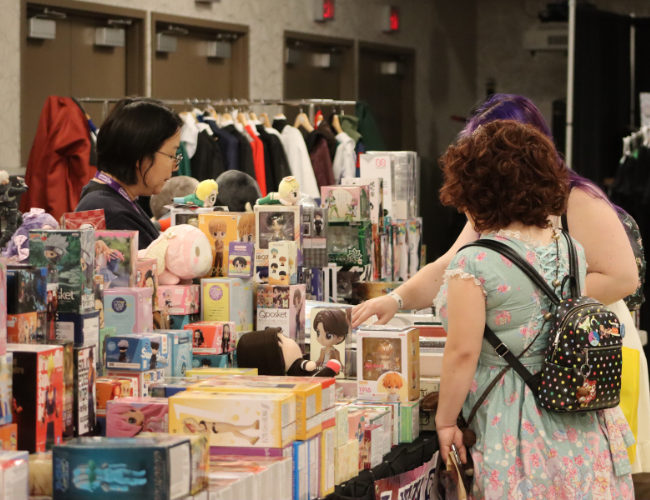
x=268 y=162
x=207 y=162
x=246 y=164
x=227 y=143
x=184 y=167
x=59 y=162
x=332 y=144
x=279 y=162
x=345 y=160
x=299 y=160
x=189 y=134
x=368 y=128
x=258 y=159
x=350 y=125
x=321 y=162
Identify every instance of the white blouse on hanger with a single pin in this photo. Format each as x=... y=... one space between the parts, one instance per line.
x=299 y=161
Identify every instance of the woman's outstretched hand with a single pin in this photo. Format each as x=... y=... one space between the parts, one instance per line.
x=382 y=307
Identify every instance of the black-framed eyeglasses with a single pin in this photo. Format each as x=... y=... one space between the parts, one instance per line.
x=177 y=158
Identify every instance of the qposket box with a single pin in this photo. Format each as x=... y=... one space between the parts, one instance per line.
x=146 y=276
x=129 y=309
x=69 y=256
x=143 y=380
x=136 y=352
x=282 y=307
x=85 y=403
x=38 y=405
x=27 y=287
x=116 y=258
x=179 y=300
x=179 y=343
x=228 y=299
x=221 y=228
x=140 y=468
x=82 y=329
x=128 y=417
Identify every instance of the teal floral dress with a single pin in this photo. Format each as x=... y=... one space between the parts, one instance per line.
x=523 y=451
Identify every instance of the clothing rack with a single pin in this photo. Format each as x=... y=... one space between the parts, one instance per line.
x=635 y=140
x=234 y=103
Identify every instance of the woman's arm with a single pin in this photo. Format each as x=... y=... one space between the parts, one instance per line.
x=612 y=273
x=466 y=314
x=418 y=292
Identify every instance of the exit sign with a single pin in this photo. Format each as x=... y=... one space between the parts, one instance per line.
x=323 y=10
x=391 y=19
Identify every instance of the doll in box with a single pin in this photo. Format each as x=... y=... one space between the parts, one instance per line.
x=198 y=339
x=56 y=246
x=331 y=327
x=113 y=477
x=385 y=353
x=124 y=420
x=318 y=223
x=123 y=346
x=351 y=213
x=106 y=262
x=225 y=338
x=218 y=229
x=392 y=382
x=280 y=226
x=297 y=302
x=246 y=227
x=50 y=411
x=191 y=426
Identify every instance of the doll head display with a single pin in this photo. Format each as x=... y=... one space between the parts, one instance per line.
x=218 y=229
x=392 y=382
x=239 y=263
x=331 y=326
x=276 y=222
x=125 y=420
x=246 y=228
x=199 y=340
x=385 y=353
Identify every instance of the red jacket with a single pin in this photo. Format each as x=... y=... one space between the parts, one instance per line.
x=258 y=159
x=59 y=162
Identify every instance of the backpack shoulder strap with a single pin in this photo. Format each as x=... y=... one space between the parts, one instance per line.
x=574 y=271
x=522 y=264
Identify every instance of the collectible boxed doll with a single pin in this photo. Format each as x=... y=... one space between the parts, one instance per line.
x=52 y=311
x=179 y=343
x=179 y=300
x=27 y=289
x=94 y=219
x=85 y=401
x=221 y=229
x=8 y=437
x=346 y=203
x=210 y=360
x=179 y=322
x=250 y=420
x=136 y=352
x=309 y=402
x=241 y=260
x=128 y=309
x=101 y=356
x=14 y=474
x=143 y=380
x=275 y=223
x=327 y=453
x=69 y=256
x=27 y=328
x=375 y=197
x=68 y=386
x=128 y=417
x=282 y=307
x=228 y=299
x=146 y=276
x=153 y=467
x=38 y=405
x=109 y=388
x=116 y=258
x=388 y=363
x=379 y=415
x=282 y=263
x=314 y=237
x=375 y=164
x=330 y=327
x=6 y=388
x=350 y=243
x=82 y=329
x=210 y=337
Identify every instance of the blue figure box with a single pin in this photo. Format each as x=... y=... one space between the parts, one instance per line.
x=136 y=352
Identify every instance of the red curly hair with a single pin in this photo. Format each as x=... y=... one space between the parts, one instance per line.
x=505 y=172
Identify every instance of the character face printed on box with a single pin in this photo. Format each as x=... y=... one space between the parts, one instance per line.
x=276 y=226
x=246 y=228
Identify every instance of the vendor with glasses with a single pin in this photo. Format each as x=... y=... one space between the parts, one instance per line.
x=136 y=156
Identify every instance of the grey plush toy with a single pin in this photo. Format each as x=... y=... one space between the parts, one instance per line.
x=176 y=187
x=236 y=190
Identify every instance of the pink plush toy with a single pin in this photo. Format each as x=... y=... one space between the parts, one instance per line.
x=183 y=253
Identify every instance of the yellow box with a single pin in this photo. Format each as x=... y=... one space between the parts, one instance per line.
x=309 y=401
x=352 y=455
x=252 y=420
x=202 y=372
x=327 y=473
x=221 y=228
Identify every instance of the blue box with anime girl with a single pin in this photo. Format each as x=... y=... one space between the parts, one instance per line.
x=136 y=352
x=122 y=468
x=69 y=256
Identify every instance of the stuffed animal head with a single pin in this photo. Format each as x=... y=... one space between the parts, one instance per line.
x=176 y=187
x=237 y=189
x=207 y=192
x=289 y=190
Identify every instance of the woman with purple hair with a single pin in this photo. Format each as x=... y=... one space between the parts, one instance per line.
x=593 y=221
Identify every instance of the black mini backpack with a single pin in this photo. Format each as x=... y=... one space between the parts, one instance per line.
x=583 y=364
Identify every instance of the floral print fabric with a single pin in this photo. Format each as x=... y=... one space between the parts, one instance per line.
x=522 y=451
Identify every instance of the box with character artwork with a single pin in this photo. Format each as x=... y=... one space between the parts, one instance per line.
x=80 y=220
x=153 y=467
x=38 y=406
x=116 y=258
x=282 y=263
x=241 y=260
x=146 y=276
x=213 y=337
x=68 y=386
x=222 y=228
x=346 y=203
x=136 y=352
x=114 y=387
x=128 y=309
x=275 y=223
x=82 y=329
x=228 y=299
x=388 y=363
x=85 y=401
x=211 y=360
x=143 y=380
x=180 y=352
x=27 y=289
x=282 y=307
x=27 y=328
x=178 y=300
x=6 y=388
x=350 y=243
x=128 y=417
x=69 y=256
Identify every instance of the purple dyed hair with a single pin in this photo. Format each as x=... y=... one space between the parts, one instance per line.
x=30 y=221
x=521 y=109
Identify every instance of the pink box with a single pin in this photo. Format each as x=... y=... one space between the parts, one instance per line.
x=116 y=253
x=213 y=337
x=146 y=276
x=346 y=203
x=128 y=417
x=128 y=310
x=179 y=300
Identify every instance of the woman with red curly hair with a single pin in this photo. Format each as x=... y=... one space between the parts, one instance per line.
x=507 y=178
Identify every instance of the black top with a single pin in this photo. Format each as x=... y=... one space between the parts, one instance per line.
x=246 y=164
x=207 y=162
x=119 y=213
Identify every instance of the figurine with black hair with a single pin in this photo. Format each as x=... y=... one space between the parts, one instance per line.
x=274 y=354
x=155 y=349
x=199 y=340
x=123 y=346
x=56 y=247
x=9 y=205
x=276 y=222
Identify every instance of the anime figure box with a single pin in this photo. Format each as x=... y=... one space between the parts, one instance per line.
x=388 y=363
x=82 y=329
x=282 y=307
x=128 y=417
x=222 y=228
x=346 y=203
x=228 y=299
x=38 y=405
x=136 y=352
x=178 y=300
x=69 y=256
x=250 y=420
x=275 y=223
x=116 y=258
x=85 y=401
x=27 y=328
x=241 y=260
x=129 y=310
x=179 y=343
x=146 y=276
x=142 y=380
x=210 y=337
x=27 y=287
x=350 y=243
x=102 y=468
x=6 y=388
